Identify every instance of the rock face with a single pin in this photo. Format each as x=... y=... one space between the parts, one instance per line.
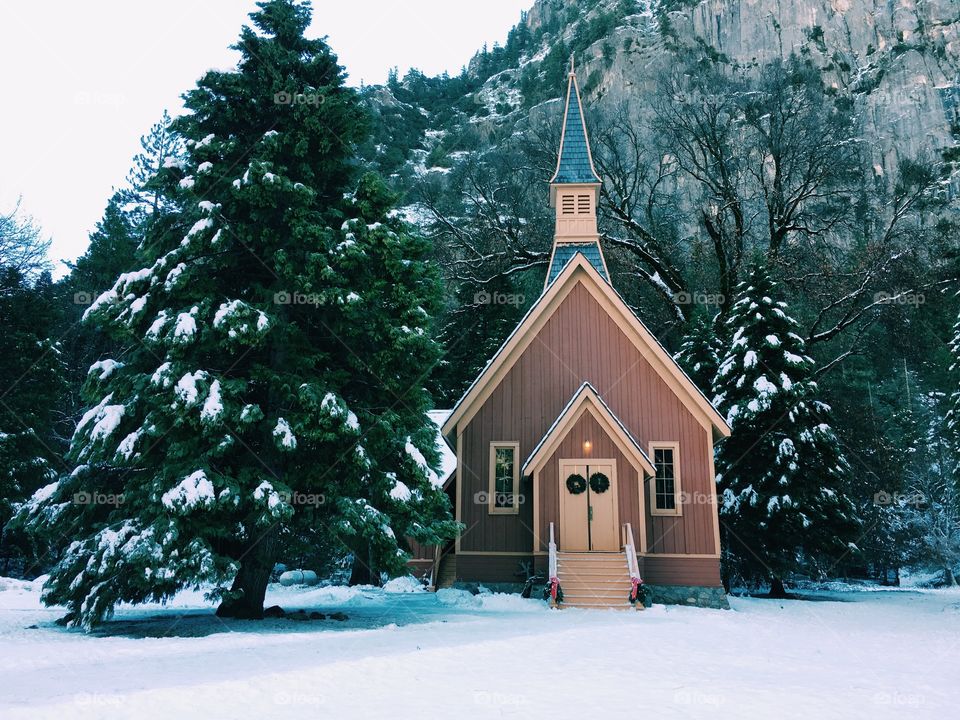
x=897 y=60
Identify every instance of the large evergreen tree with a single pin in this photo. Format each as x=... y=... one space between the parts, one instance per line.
x=781 y=473
x=283 y=320
x=699 y=352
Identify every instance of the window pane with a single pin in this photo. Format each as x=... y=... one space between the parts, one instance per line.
x=503 y=477
x=665 y=492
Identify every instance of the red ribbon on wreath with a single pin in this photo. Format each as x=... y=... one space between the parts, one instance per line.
x=554 y=584
x=635 y=584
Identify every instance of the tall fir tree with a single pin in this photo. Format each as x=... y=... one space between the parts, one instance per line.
x=699 y=354
x=283 y=318
x=781 y=473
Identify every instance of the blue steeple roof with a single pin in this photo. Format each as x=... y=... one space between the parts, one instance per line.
x=565 y=252
x=574 y=165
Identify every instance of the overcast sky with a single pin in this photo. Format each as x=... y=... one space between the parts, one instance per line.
x=82 y=81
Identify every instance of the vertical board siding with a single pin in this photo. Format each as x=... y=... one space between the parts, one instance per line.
x=580 y=342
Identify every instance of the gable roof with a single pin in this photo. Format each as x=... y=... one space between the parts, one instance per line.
x=587 y=400
x=579 y=271
x=564 y=252
x=574 y=162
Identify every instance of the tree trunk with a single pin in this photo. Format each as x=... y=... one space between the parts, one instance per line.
x=362 y=572
x=949 y=579
x=250 y=584
x=777 y=590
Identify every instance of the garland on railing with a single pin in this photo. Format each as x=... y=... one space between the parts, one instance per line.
x=638 y=591
x=554 y=591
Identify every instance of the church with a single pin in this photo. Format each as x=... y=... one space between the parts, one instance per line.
x=584 y=454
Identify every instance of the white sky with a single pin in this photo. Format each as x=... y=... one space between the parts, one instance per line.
x=82 y=81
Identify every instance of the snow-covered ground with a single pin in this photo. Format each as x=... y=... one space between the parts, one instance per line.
x=851 y=654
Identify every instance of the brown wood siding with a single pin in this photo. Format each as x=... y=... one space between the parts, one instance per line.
x=420 y=552
x=681 y=571
x=571 y=447
x=579 y=343
x=491 y=568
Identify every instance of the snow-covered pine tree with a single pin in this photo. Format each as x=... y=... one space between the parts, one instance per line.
x=952 y=419
x=780 y=475
x=283 y=318
x=699 y=353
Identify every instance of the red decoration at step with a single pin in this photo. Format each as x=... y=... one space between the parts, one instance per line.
x=554 y=584
x=635 y=584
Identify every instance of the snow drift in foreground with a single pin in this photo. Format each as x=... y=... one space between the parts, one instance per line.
x=405 y=653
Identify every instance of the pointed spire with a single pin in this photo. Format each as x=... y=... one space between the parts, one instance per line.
x=575 y=162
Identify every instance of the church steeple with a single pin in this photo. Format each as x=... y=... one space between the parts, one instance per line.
x=575 y=190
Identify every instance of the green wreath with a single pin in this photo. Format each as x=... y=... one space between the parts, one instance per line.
x=599 y=483
x=576 y=484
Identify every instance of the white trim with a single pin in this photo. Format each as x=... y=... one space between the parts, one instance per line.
x=585 y=399
x=677 y=510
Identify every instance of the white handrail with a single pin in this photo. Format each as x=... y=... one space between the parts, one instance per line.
x=633 y=565
x=553 y=554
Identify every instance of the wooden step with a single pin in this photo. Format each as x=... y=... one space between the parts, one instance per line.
x=591 y=580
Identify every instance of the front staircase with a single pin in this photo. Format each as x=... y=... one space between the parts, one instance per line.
x=594 y=579
x=446 y=571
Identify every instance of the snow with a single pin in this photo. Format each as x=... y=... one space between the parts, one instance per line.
x=213 y=405
x=186 y=326
x=876 y=654
x=284 y=434
x=105 y=368
x=186 y=389
x=400 y=491
x=195 y=489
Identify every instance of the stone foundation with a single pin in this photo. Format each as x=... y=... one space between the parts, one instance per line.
x=691 y=595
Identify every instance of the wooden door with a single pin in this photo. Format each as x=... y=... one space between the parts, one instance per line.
x=588 y=520
x=603 y=509
x=574 y=511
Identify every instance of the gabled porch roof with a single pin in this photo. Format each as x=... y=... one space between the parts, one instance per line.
x=586 y=399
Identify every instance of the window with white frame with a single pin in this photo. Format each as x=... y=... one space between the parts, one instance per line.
x=665 y=486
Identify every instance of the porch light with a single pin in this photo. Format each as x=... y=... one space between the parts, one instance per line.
x=587 y=446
